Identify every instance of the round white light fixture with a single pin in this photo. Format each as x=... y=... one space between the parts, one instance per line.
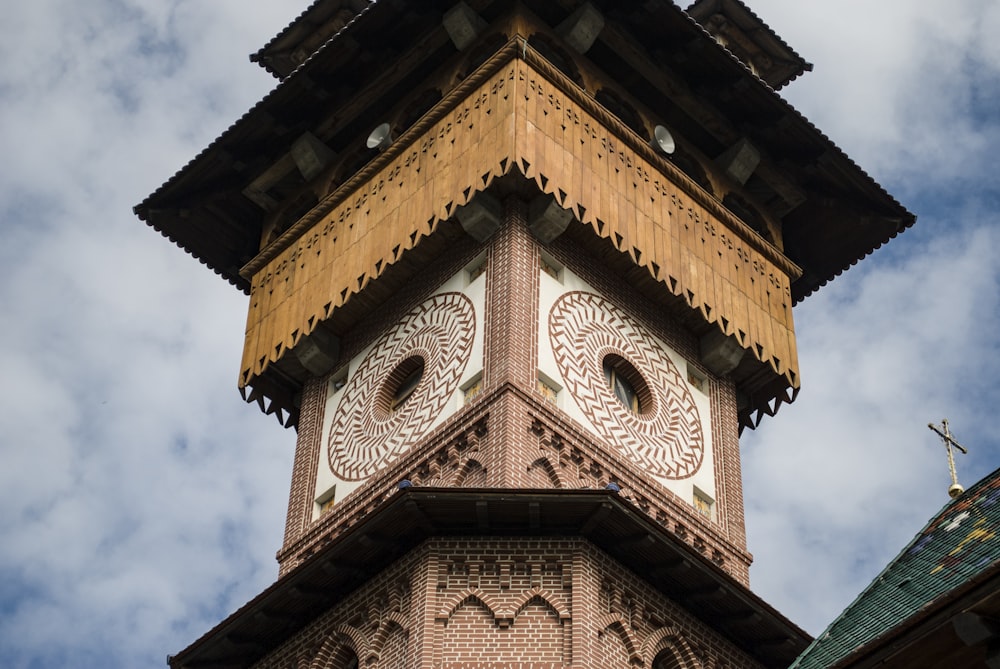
x=380 y=138
x=663 y=141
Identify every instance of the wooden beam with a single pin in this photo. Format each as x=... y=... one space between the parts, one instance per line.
x=595 y=518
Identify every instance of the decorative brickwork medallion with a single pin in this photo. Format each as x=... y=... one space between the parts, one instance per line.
x=401 y=386
x=593 y=339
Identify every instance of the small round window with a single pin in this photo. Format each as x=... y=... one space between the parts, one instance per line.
x=627 y=384
x=401 y=384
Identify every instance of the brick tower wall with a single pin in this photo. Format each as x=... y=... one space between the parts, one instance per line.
x=507 y=603
x=510 y=435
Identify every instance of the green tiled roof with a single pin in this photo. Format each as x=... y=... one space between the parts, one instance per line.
x=959 y=543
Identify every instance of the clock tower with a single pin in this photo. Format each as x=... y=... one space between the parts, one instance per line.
x=519 y=275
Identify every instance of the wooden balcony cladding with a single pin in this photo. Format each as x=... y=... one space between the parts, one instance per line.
x=388 y=214
x=521 y=113
x=682 y=236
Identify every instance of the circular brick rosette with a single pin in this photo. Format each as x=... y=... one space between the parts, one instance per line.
x=368 y=433
x=664 y=436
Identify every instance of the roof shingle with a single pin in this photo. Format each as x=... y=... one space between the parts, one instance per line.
x=959 y=545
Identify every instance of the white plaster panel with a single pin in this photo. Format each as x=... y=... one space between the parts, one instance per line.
x=551 y=290
x=326 y=479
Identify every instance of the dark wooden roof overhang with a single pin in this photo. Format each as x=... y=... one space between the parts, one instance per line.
x=202 y=208
x=414 y=515
x=833 y=213
x=782 y=64
x=319 y=22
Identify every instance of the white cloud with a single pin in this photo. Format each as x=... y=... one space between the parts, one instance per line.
x=845 y=476
x=121 y=422
x=896 y=83
x=838 y=482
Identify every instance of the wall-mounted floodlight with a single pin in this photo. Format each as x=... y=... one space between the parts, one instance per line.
x=663 y=141
x=380 y=138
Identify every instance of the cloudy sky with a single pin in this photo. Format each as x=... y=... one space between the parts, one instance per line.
x=141 y=501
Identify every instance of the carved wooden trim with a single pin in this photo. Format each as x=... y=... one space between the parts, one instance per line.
x=571 y=148
x=649 y=210
x=362 y=236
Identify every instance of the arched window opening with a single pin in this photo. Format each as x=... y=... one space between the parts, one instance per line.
x=691 y=167
x=625 y=112
x=627 y=384
x=400 y=384
x=556 y=55
x=345 y=658
x=746 y=213
x=480 y=53
x=417 y=108
x=667 y=659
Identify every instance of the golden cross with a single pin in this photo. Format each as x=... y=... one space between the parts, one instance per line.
x=955 y=490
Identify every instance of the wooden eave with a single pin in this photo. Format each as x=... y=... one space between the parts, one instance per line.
x=414 y=515
x=316 y=25
x=227 y=237
x=845 y=214
x=332 y=259
x=787 y=64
